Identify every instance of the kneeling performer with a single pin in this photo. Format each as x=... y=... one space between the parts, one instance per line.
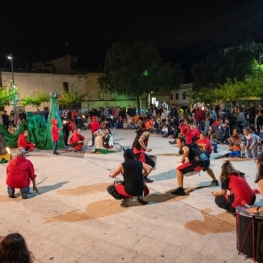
x=133 y=185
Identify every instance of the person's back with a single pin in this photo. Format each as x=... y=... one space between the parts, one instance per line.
x=133 y=180
x=241 y=190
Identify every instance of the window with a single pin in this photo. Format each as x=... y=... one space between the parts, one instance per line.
x=177 y=96
x=171 y=96
x=65 y=86
x=184 y=96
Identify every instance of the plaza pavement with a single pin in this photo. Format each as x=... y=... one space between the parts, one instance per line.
x=74 y=219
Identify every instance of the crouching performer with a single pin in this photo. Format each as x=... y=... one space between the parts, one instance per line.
x=240 y=191
x=198 y=161
x=77 y=140
x=133 y=185
x=140 y=145
x=19 y=173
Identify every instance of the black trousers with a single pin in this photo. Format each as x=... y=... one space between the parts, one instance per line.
x=222 y=202
x=148 y=159
x=112 y=191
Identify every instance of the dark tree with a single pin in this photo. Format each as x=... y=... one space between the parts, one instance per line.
x=138 y=69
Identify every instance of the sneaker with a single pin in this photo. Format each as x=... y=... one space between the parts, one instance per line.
x=214 y=183
x=125 y=202
x=24 y=193
x=172 y=142
x=141 y=201
x=11 y=194
x=178 y=191
x=147 y=180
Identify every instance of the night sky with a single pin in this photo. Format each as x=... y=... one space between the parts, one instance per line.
x=183 y=30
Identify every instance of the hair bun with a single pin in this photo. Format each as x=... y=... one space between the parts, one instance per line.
x=227 y=162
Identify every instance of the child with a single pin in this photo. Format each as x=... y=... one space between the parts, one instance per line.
x=213 y=141
x=13 y=248
x=164 y=131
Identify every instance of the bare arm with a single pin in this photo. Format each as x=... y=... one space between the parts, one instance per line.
x=185 y=154
x=222 y=192
x=117 y=171
x=141 y=139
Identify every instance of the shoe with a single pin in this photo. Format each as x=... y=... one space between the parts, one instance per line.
x=125 y=202
x=24 y=193
x=56 y=153
x=147 y=180
x=214 y=183
x=178 y=191
x=141 y=201
x=172 y=142
x=11 y=194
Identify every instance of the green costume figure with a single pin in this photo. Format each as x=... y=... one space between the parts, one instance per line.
x=39 y=130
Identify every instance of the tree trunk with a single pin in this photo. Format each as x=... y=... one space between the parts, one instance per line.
x=139 y=105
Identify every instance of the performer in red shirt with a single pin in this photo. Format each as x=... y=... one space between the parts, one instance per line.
x=204 y=142
x=77 y=140
x=19 y=172
x=24 y=143
x=240 y=191
x=55 y=135
x=94 y=126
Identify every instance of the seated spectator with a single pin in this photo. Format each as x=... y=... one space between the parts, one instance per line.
x=125 y=124
x=164 y=131
x=19 y=172
x=24 y=143
x=236 y=141
x=13 y=249
x=77 y=140
x=120 y=123
x=213 y=142
x=204 y=144
x=234 y=181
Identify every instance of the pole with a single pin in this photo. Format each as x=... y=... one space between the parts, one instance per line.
x=12 y=69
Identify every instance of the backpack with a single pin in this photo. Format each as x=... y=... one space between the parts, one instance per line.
x=200 y=157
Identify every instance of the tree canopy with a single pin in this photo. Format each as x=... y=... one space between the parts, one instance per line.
x=71 y=98
x=35 y=101
x=137 y=69
x=7 y=95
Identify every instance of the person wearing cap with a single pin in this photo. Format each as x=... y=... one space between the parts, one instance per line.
x=19 y=173
x=133 y=185
x=94 y=126
x=140 y=145
x=24 y=143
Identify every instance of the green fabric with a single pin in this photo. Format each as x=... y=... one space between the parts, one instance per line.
x=104 y=151
x=39 y=131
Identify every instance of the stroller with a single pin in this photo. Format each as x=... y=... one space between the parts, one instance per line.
x=79 y=123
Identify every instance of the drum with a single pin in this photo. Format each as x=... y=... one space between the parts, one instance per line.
x=249 y=231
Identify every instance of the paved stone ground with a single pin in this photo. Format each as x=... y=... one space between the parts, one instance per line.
x=74 y=219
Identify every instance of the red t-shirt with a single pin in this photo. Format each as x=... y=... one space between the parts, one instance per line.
x=206 y=142
x=94 y=126
x=19 y=172
x=239 y=187
x=55 y=133
x=23 y=142
x=76 y=138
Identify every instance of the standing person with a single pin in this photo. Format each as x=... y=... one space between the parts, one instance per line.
x=12 y=118
x=252 y=113
x=77 y=140
x=234 y=181
x=5 y=118
x=195 y=165
x=252 y=143
x=19 y=172
x=259 y=118
x=208 y=118
x=94 y=126
x=199 y=117
x=55 y=135
x=133 y=185
x=66 y=130
x=245 y=111
x=140 y=145
x=13 y=248
x=24 y=143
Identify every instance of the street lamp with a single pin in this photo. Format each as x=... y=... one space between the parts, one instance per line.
x=12 y=69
